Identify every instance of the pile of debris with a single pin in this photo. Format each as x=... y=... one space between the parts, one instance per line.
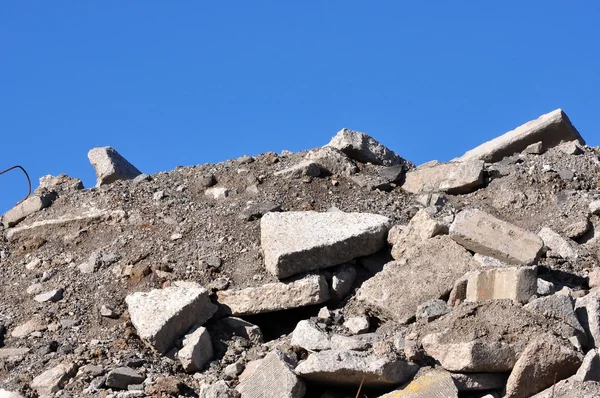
x=312 y=274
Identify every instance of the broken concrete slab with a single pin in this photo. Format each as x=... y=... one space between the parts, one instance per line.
x=197 y=350
x=363 y=148
x=485 y=234
x=426 y=271
x=558 y=246
x=550 y=129
x=558 y=307
x=312 y=289
x=300 y=241
x=53 y=379
x=162 y=315
x=48 y=228
x=590 y=367
x=13 y=354
x=110 y=166
x=588 y=312
x=332 y=161
x=514 y=283
x=434 y=384
x=546 y=360
x=351 y=367
x=29 y=206
x=473 y=337
x=302 y=169
x=451 y=178
x=273 y=377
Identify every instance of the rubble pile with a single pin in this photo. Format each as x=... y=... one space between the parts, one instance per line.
x=312 y=274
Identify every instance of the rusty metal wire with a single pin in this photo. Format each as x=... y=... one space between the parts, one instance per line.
x=26 y=175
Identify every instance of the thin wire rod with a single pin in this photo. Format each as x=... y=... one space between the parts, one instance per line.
x=28 y=181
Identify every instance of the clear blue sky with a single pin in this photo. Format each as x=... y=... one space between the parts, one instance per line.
x=191 y=82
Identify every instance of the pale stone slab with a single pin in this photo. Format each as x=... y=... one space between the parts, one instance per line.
x=453 y=178
x=110 y=166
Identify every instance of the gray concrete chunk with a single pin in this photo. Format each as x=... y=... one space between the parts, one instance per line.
x=452 y=178
x=332 y=161
x=363 y=148
x=302 y=169
x=425 y=271
x=274 y=377
x=162 y=315
x=110 y=166
x=29 y=206
x=485 y=234
x=300 y=241
x=197 y=350
x=123 y=377
x=550 y=129
x=312 y=289
x=349 y=367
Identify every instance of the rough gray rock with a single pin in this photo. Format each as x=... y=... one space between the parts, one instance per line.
x=274 y=377
x=357 y=324
x=29 y=206
x=479 y=381
x=558 y=245
x=310 y=337
x=220 y=389
x=297 y=242
x=302 y=169
x=349 y=368
x=545 y=360
x=514 y=283
x=332 y=161
x=312 y=289
x=52 y=296
x=485 y=234
x=342 y=281
x=432 y=309
x=363 y=148
x=197 y=350
x=550 y=129
x=426 y=271
x=9 y=394
x=123 y=377
x=161 y=316
x=590 y=367
x=242 y=328
x=110 y=166
x=53 y=379
x=452 y=178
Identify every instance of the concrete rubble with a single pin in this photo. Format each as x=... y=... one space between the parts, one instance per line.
x=306 y=274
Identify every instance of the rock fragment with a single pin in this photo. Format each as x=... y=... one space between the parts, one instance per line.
x=434 y=384
x=197 y=350
x=29 y=206
x=302 y=169
x=220 y=389
x=297 y=242
x=588 y=312
x=590 y=367
x=452 y=178
x=426 y=271
x=363 y=148
x=485 y=234
x=357 y=324
x=349 y=368
x=242 y=328
x=514 y=283
x=54 y=379
x=558 y=245
x=312 y=289
x=162 y=315
x=123 y=377
x=550 y=129
x=342 y=281
x=557 y=307
x=274 y=377
x=432 y=310
x=217 y=192
x=545 y=360
x=52 y=296
x=310 y=337
x=35 y=324
x=332 y=161
x=110 y=166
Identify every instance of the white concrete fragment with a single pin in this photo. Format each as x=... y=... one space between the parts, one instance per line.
x=197 y=350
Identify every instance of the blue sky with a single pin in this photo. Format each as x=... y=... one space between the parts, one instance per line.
x=191 y=82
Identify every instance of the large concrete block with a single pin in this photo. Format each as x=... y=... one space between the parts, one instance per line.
x=162 y=315
x=300 y=241
x=110 y=166
x=29 y=206
x=514 y=283
x=550 y=129
x=312 y=289
x=453 y=178
x=485 y=234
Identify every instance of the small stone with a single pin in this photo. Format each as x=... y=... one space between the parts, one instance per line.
x=218 y=192
x=577 y=229
x=342 y=281
x=207 y=181
x=122 y=377
x=141 y=178
x=52 y=296
x=159 y=195
x=176 y=236
x=306 y=168
x=571 y=148
x=197 y=350
x=165 y=385
x=310 y=337
x=432 y=309
x=430 y=385
x=324 y=313
x=559 y=246
x=33 y=264
x=213 y=261
x=233 y=370
x=53 y=379
x=109 y=312
x=536 y=148
x=595 y=207
x=545 y=288
x=34 y=289
x=357 y=324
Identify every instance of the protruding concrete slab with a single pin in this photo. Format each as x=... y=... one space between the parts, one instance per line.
x=550 y=129
x=363 y=148
x=162 y=315
x=29 y=206
x=453 y=178
x=514 y=283
x=110 y=166
x=485 y=234
x=312 y=289
x=300 y=241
